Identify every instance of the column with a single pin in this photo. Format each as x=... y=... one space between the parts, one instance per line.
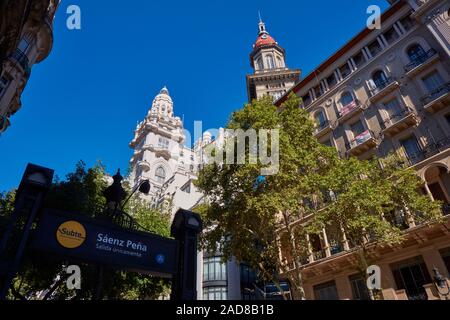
x=310 y=252
x=326 y=244
x=345 y=243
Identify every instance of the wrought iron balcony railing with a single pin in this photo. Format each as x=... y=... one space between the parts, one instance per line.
x=436 y=94
x=428 y=151
x=322 y=126
x=380 y=85
x=22 y=60
x=396 y=117
x=360 y=139
x=420 y=59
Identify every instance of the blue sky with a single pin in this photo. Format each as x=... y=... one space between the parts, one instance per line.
x=84 y=101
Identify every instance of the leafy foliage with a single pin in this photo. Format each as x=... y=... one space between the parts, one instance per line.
x=82 y=193
x=253 y=217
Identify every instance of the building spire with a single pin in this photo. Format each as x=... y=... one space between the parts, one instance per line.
x=261 y=25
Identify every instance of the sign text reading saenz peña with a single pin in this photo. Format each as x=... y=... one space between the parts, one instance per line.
x=85 y=239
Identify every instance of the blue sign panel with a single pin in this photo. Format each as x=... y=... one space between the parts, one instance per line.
x=86 y=239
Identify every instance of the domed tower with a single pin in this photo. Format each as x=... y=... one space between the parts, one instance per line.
x=158 y=144
x=271 y=75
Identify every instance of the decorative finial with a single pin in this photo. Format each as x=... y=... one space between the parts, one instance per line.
x=259 y=15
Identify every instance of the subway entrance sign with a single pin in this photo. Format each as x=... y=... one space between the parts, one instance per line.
x=112 y=239
x=89 y=240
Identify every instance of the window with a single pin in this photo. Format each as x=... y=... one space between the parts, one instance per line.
x=407 y=23
x=328 y=143
x=23 y=46
x=318 y=91
x=393 y=108
x=379 y=78
x=163 y=143
x=326 y=291
x=391 y=35
x=214 y=269
x=359 y=288
x=374 y=48
x=279 y=62
x=270 y=62
x=160 y=175
x=433 y=81
x=320 y=118
x=259 y=63
x=411 y=275
x=445 y=253
x=359 y=59
x=3 y=85
x=186 y=188
x=331 y=80
x=447 y=116
x=346 y=99
x=306 y=99
x=412 y=149
x=345 y=70
x=215 y=293
x=416 y=53
x=357 y=128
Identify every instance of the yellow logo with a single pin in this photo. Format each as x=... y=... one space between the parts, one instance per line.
x=71 y=234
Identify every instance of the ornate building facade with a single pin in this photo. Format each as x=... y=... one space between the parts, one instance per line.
x=386 y=91
x=26 y=39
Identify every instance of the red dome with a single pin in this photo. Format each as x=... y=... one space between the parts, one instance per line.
x=264 y=40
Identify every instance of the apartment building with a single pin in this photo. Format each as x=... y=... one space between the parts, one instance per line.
x=386 y=91
x=26 y=39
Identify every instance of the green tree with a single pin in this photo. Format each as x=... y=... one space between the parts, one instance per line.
x=376 y=200
x=82 y=194
x=246 y=211
x=253 y=217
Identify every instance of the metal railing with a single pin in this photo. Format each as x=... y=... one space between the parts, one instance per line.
x=319 y=255
x=435 y=94
x=420 y=59
x=393 y=119
x=428 y=151
x=382 y=84
x=22 y=60
x=322 y=126
x=360 y=139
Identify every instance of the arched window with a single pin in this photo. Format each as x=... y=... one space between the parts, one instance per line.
x=379 y=78
x=259 y=63
x=416 y=53
x=279 y=62
x=270 y=62
x=346 y=99
x=160 y=175
x=320 y=119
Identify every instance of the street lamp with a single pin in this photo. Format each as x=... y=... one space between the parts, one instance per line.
x=441 y=283
x=143 y=187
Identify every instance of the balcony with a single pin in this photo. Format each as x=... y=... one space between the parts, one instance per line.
x=350 y=110
x=383 y=88
x=437 y=99
x=323 y=129
x=430 y=150
x=22 y=60
x=318 y=255
x=421 y=62
x=144 y=166
x=399 y=122
x=362 y=143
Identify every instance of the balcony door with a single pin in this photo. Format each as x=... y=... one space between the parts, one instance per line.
x=393 y=108
x=433 y=81
x=412 y=148
x=411 y=276
x=326 y=291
